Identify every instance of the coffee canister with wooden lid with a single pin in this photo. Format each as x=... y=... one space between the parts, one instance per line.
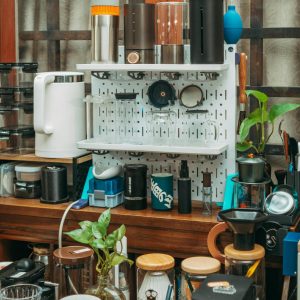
x=250 y=263
x=155 y=276
x=194 y=270
x=73 y=269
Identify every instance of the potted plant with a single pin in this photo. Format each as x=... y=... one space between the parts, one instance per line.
x=104 y=244
x=254 y=168
x=258 y=119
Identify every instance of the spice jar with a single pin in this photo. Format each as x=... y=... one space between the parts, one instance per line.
x=194 y=272
x=249 y=263
x=155 y=276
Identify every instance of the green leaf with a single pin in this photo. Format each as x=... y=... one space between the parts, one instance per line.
x=242 y=147
x=258 y=116
x=278 y=110
x=98 y=243
x=119 y=258
x=85 y=224
x=261 y=97
x=120 y=232
x=104 y=221
x=110 y=241
x=80 y=235
x=96 y=230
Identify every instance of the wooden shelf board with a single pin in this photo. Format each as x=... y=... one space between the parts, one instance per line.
x=30 y=157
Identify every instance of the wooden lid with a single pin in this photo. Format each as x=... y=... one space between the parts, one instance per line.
x=72 y=255
x=155 y=262
x=257 y=253
x=200 y=265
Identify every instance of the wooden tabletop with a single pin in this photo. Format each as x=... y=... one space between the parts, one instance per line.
x=147 y=230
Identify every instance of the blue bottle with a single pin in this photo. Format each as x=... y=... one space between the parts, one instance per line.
x=233 y=25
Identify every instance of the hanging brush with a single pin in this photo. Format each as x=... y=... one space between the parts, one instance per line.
x=243 y=96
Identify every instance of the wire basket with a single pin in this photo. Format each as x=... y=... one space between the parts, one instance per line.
x=21 y=291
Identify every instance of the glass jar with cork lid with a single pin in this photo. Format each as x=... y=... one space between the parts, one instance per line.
x=155 y=276
x=194 y=271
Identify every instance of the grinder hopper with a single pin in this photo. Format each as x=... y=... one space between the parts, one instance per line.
x=243 y=223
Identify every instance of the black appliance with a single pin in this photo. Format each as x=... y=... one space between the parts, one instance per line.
x=26 y=270
x=207 y=31
x=240 y=288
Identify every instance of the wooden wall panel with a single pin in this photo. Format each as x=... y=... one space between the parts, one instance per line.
x=7 y=31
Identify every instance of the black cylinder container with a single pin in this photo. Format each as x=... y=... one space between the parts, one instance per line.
x=54 y=184
x=135 y=186
x=207 y=31
x=139 y=33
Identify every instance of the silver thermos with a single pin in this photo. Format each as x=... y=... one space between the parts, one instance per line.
x=105 y=33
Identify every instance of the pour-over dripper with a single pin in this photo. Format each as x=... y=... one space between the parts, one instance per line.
x=243 y=223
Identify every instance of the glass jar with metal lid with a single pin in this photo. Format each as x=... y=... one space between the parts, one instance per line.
x=194 y=271
x=155 y=276
x=250 y=263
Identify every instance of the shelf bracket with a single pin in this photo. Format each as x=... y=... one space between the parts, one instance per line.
x=101 y=74
x=137 y=75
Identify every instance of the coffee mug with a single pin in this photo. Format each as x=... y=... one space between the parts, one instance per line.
x=162 y=191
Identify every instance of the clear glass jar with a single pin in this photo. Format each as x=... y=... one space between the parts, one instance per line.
x=250 y=263
x=104 y=290
x=155 y=276
x=194 y=272
x=73 y=269
x=250 y=195
x=42 y=253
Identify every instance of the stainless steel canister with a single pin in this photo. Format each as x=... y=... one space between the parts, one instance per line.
x=139 y=33
x=105 y=35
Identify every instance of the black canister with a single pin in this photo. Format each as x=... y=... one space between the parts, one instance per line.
x=54 y=185
x=135 y=185
x=207 y=31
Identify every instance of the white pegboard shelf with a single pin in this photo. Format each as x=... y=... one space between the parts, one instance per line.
x=153 y=67
x=96 y=144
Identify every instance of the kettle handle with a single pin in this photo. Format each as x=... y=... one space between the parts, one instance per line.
x=40 y=83
x=212 y=241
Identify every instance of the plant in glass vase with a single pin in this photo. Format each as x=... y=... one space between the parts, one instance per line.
x=259 y=118
x=95 y=234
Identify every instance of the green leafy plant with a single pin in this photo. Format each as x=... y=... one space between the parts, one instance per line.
x=95 y=234
x=258 y=119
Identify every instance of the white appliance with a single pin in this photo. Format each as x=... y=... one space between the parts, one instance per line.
x=59 y=114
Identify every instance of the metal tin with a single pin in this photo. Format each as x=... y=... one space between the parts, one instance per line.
x=105 y=38
x=251 y=169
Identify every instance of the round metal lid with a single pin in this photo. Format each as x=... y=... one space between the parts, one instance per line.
x=279 y=203
x=250 y=160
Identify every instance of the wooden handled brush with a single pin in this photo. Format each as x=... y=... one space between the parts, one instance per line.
x=243 y=96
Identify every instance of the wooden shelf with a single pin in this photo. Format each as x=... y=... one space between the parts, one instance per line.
x=30 y=157
x=147 y=230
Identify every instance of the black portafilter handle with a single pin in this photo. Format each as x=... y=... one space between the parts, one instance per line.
x=280 y=176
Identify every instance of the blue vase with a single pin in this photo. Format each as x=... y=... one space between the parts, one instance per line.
x=233 y=26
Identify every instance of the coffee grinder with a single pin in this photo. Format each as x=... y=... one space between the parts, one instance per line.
x=139 y=33
x=243 y=257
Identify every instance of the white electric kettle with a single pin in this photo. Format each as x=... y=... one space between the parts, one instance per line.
x=59 y=114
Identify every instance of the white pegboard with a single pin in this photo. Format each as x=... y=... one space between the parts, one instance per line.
x=131 y=122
